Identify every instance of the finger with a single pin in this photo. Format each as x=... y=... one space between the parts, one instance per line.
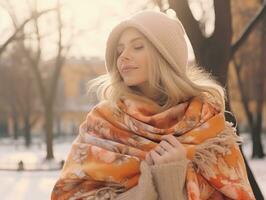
x=159 y=150
x=179 y=147
x=155 y=156
x=167 y=147
x=171 y=140
x=149 y=159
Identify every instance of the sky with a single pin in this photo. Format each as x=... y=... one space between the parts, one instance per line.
x=88 y=21
x=99 y=18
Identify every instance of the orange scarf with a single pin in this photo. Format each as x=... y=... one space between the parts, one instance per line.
x=112 y=143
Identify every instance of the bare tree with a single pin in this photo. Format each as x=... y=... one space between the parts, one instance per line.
x=215 y=51
x=48 y=93
x=256 y=79
x=8 y=100
x=20 y=27
x=46 y=80
x=210 y=52
x=18 y=93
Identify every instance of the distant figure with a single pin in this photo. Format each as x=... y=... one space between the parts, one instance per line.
x=159 y=130
x=20 y=166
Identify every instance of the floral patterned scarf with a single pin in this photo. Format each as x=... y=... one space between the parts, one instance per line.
x=113 y=141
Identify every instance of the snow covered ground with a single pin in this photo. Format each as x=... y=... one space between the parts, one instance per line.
x=31 y=185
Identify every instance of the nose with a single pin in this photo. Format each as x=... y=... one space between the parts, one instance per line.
x=125 y=55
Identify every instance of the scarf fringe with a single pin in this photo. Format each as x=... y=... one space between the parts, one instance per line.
x=109 y=192
x=205 y=153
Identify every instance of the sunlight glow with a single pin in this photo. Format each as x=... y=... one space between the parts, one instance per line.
x=87 y=23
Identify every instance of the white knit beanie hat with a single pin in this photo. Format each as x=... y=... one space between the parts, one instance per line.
x=165 y=33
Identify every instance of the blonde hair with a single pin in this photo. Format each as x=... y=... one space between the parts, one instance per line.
x=173 y=84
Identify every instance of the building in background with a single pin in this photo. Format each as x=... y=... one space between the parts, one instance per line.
x=72 y=101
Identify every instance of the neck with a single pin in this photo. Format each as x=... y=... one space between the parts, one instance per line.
x=146 y=90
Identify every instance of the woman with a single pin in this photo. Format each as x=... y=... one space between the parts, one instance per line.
x=159 y=131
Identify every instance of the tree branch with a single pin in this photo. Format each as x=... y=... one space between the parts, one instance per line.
x=248 y=29
x=244 y=98
x=13 y=36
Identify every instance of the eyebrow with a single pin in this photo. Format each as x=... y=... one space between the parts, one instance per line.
x=132 y=40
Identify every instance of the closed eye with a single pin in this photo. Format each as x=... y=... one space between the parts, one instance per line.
x=136 y=48
x=140 y=47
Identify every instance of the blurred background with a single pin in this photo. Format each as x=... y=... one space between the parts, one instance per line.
x=50 y=49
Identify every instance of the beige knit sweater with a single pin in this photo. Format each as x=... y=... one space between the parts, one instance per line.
x=163 y=182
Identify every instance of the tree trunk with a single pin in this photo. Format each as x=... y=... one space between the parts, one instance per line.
x=210 y=53
x=58 y=124
x=27 y=131
x=214 y=55
x=49 y=132
x=257 y=150
x=15 y=125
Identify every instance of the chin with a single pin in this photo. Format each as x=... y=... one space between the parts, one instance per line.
x=131 y=83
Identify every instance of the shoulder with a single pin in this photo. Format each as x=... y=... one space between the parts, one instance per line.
x=103 y=105
x=211 y=102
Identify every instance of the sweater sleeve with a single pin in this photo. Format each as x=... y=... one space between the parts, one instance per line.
x=169 y=180
x=145 y=190
x=158 y=182
x=166 y=181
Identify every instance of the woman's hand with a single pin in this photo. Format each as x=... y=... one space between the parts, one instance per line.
x=168 y=150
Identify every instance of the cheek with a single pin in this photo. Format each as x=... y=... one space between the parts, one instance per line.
x=142 y=61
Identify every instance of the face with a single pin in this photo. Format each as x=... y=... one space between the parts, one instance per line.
x=132 y=61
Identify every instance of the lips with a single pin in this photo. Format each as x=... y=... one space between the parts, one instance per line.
x=127 y=68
